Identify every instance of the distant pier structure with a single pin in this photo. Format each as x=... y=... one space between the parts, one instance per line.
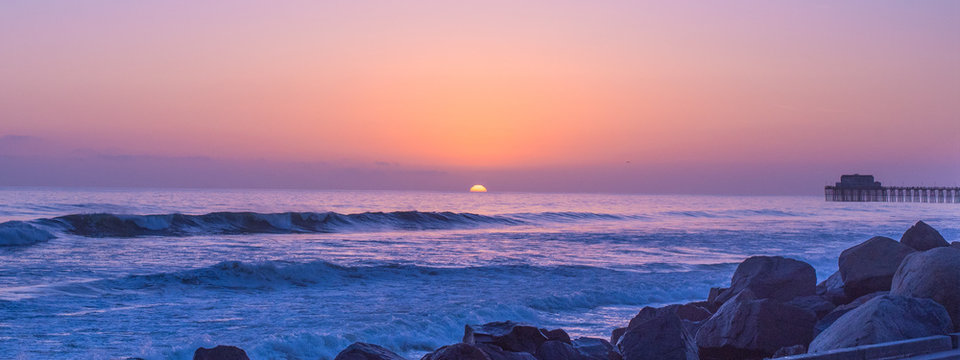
x=863 y=188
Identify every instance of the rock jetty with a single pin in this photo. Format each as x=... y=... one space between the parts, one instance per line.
x=884 y=291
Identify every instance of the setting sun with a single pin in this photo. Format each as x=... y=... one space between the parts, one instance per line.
x=478 y=188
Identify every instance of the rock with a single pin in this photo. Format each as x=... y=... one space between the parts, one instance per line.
x=556 y=334
x=220 y=352
x=869 y=267
x=772 y=277
x=616 y=334
x=882 y=319
x=712 y=298
x=749 y=328
x=816 y=304
x=923 y=237
x=837 y=312
x=684 y=311
x=790 y=350
x=496 y=353
x=364 y=351
x=558 y=350
x=832 y=289
x=593 y=348
x=508 y=335
x=459 y=351
x=661 y=336
x=932 y=274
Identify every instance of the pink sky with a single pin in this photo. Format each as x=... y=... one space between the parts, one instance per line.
x=716 y=97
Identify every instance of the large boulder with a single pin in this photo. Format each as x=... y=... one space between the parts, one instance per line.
x=364 y=351
x=828 y=319
x=459 y=351
x=508 y=335
x=869 y=267
x=497 y=353
x=932 y=274
x=923 y=237
x=772 y=277
x=593 y=348
x=883 y=319
x=749 y=328
x=558 y=350
x=220 y=352
x=661 y=336
x=689 y=312
x=832 y=289
x=818 y=305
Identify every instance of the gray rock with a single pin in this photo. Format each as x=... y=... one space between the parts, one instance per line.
x=749 y=328
x=923 y=237
x=790 y=350
x=364 y=351
x=459 y=351
x=713 y=298
x=816 y=304
x=497 y=353
x=508 y=335
x=932 y=274
x=772 y=277
x=556 y=334
x=687 y=312
x=593 y=348
x=883 y=319
x=220 y=352
x=661 y=336
x=616 y=334
x=837 y=312
x=558 y=350
x=869 y=266
x=832 y=289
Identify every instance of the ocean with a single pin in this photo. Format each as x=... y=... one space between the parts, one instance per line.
x=105 y=274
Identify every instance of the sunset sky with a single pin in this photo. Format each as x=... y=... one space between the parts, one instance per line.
x=764 y=97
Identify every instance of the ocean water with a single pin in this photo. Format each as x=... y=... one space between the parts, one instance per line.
x=104 y=274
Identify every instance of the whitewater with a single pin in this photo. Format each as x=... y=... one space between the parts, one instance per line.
x=107 y=274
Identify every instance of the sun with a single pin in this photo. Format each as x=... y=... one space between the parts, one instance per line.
x=478 y=188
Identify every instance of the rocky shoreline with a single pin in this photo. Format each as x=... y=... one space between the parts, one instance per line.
x=885 y=290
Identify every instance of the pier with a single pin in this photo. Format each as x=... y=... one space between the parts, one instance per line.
x=863 y=188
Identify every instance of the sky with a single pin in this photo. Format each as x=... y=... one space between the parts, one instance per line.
x=732 y=97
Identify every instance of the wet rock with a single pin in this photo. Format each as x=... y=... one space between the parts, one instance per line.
x=923 y=237
x=558 y=350
x=508 y=335
x=713 y=298
x=594 y=348
x=790 y=350
x=459 y=351
x=749 y=328
x=883 y=319
x=661 y=336
x=772 y=277
x=497 y=353
x=556 y=334
x=683 y=311
x=932 y=274
x=869 y=266
x=816 y=304
x=837 y=312
x=220 y=352
x=364 y=351
x=832 y=289
x=616 y=334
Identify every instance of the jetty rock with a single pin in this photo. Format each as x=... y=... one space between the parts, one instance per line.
x=923 y=237
x=832 y=289
x=746 y=327
x=828 y=319
x=932 y=274
x=869 y=266
x=595 y=349
x=364 y=351
x=508 y=335
x=459 y=351
x=883 y=319
x=220 y=352
x=658 y=335
x=772 y=277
